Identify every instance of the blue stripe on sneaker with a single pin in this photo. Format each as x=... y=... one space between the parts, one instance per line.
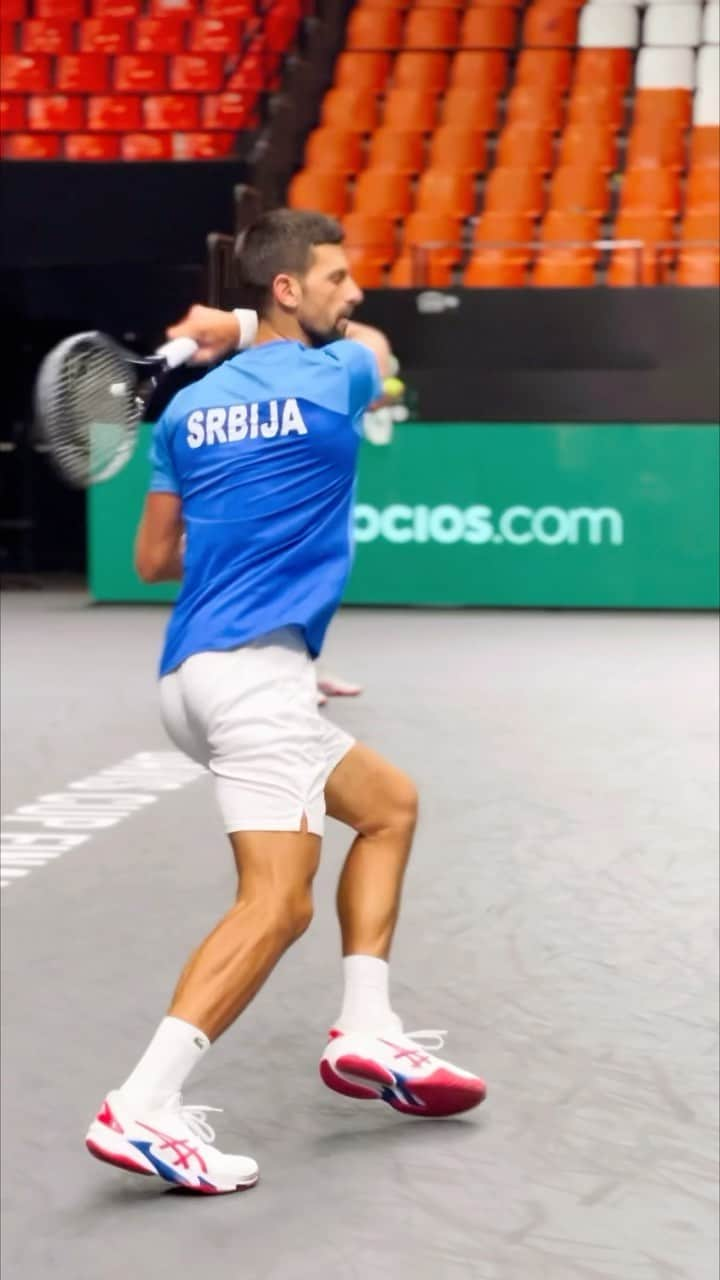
x=165 y=1170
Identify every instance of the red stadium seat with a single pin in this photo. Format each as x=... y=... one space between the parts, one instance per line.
x=15 y=10
x=29 y=146
x=159 y=35
x=70 y=10
x=202 y=146
x=7 y=37
x=91 y=146
x=146 y=146
x=140 y=73
x=232 y=111
x=12 y=115
x=56 y=113
x=198 y=72
x=174 y=8
x=104 y=35
x=25 y=73
x=214 y=35
x=241 y=9
x=279 y=29
x=82 y=73
x=172 y=111
x=127 y=9
x=114 y=113
x=43 y=35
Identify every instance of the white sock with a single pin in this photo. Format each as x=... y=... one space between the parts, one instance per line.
x=366 y=1003
x=175 y=1049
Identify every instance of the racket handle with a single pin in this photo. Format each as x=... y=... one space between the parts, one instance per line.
x=177 y=352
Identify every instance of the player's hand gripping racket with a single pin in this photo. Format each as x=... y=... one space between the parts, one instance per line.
x=90 y=396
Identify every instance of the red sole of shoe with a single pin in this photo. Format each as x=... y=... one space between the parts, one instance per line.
x=433 y=1099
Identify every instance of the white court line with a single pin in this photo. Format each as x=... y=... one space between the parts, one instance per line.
x=37 y=833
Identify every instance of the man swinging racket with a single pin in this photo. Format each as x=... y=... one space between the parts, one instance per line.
x=255 y=465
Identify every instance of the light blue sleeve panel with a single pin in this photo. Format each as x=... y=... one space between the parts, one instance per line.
x=360 y=363
x=163 y=476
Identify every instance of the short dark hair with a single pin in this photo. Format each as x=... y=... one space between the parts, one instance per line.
x=281 y=240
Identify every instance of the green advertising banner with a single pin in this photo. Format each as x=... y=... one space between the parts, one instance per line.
x=610 y=516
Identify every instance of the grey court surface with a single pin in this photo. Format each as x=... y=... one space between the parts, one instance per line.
x=560 y=920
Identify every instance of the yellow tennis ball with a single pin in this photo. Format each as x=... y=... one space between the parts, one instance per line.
x=393 y=387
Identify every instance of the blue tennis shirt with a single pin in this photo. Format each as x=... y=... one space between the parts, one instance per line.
x=262 y=451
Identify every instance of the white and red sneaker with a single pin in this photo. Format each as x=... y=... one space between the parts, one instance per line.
x=399 y=1070
x=173 y=1142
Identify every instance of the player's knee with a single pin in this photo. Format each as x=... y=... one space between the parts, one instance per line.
x=399 y=810
x=293 y=914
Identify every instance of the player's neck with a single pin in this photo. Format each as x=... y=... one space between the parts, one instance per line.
x=279 y=329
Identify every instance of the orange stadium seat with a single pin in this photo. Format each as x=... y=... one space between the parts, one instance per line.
x=214 y=35
x=572 y=230
x=489 y=28
x=431 y=248
x=372 y=234
x=30 y=146
x=473 y=67
x=415 y=269
x=535 y=104
x=544 y=66
x=557 y=268
x=362 y=71
x=196 y=72
x=438 y=4
x=333 y=150
x=374 y=29
x=650 y=191
x=25 y=73
x=104 y=35
x=592 y=145
x=354 y=109
x=116 y=113
x=702 y=193
x=146 y=146
x=416 y=107
x=159 y=35
x=326 y=192
x=446 y=191
x=705 y=147
x=44 y=35
x=171 y=111
x=663 y=104
x=656 y=145
x=471 y=108
x=525 y=145
x=504 y=229
x=398 y=6
x=515 y=191
x=701 y=226
x=603 y=66
x=414 y=70
x=431 y=29
x=366 y=271
x=549 y=24
x=91 y=146
x=462 y=150
x=601 y=103
x=55 y=113
x=397 y=150
x=140 y=73
x=698 y=267
x=644 y=265
x=491 y=268
x=382 y=192
x=579 y=190
x=82 y=73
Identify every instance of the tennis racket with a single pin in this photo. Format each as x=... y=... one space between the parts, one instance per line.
x=90 y=396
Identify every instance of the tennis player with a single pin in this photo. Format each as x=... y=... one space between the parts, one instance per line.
x=218 y=333
x=255 y=464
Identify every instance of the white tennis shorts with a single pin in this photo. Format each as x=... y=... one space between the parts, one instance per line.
x=250 y=716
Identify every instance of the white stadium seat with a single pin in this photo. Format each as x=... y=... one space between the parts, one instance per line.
x=612 y=4
x=672 y=26
x=707 y=72
x=711 y=24
x=608 y=27
x=665 y=69
x=706 y=107
x=691 y=4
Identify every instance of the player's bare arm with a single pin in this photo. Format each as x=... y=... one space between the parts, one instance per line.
x=159 y=539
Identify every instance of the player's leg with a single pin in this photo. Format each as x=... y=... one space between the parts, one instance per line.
x=369 y=1055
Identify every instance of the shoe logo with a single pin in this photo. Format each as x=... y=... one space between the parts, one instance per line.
x=179 y=1147
x=415 y=1057
x=200 y=1043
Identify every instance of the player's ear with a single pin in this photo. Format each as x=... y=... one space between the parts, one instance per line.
x=286 y=291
